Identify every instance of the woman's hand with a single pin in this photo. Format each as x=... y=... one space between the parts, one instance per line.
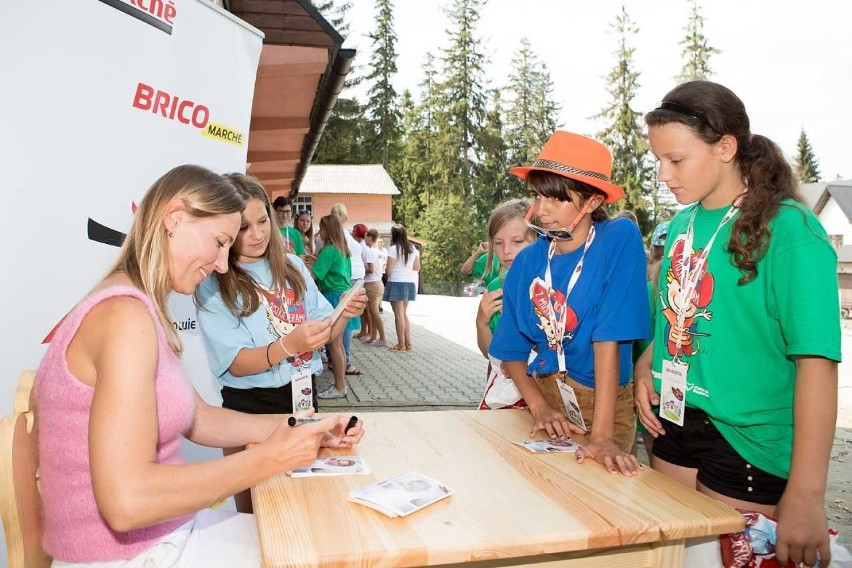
x=308 y=336
x=337 y=438
x=489 y=304
x=355 y=303
x=604 y=450
x=296 y=446
x=555 y=423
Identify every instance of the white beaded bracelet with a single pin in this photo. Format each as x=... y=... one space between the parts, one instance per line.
x=281 y=343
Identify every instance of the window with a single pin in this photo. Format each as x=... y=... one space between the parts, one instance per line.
x=303 y=203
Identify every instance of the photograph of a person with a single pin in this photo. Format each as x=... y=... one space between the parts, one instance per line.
x=404 y=494
x=333 y=465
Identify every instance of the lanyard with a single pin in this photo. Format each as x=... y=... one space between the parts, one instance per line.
x=556 y=322
x=692 y=273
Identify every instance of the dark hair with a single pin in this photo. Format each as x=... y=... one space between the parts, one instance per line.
x=556 y=186
x=712 y=111
x=399 y=239
x=282 y=201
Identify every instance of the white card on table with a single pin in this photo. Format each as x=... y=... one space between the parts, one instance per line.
x=333 y=465
x=673 y=392
x=401 y=495
x=548 y=446
x=572 y=407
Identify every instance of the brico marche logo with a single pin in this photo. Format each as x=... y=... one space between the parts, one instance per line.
x=184 y=111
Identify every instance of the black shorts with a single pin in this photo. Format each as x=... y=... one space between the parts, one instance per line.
x=263 y=400
x=698 y=444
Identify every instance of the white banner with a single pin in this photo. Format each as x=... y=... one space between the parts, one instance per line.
x=99 y=98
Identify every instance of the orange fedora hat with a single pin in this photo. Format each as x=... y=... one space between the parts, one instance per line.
x=577 y=157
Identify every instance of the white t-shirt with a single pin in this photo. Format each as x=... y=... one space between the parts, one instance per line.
x=355 y=256
x=403 y=271
x=381 y=259
x=376 y=274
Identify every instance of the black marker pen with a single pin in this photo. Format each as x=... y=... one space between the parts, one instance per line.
x=351 y=424
x=293 y=421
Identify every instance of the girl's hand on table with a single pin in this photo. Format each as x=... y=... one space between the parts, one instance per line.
x=604 y=451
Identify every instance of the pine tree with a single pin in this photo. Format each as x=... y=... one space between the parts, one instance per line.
x=807 y=165
x=335 y=12
x=382 y=108
x=696 y=50
x=624 y=133
x=462 y=95
x=492 y=182
x=532 y=113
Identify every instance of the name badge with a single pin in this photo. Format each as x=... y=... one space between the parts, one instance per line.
x=673 y=392
x=572 y=407
x=303 y=394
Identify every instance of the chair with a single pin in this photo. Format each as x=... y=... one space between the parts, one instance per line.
x=20 y=503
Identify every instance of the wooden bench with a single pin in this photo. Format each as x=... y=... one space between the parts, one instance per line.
x=20 y=503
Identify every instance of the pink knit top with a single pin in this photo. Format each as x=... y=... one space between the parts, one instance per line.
x=74 y=530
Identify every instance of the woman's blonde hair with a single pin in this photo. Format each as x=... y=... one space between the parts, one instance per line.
x=506 y=212
x=333 y=229
x=339 y=211
x=144 y=257
x=239 y=290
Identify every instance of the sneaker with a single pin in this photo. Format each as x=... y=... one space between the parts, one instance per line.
x=332 y=392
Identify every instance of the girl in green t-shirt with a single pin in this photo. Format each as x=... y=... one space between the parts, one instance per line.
x=332 y=270
x=508 y=234
x=747 y=332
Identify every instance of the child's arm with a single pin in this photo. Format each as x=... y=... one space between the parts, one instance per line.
x=489 y=304
x=601 y=445
x=802 y=529
x=555 y=423
x=467 y=267
x=644 y=394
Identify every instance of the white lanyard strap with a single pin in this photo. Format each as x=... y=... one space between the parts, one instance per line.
x=692 y=274
x=558 y=323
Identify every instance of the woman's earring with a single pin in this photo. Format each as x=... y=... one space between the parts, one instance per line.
x=171 y=234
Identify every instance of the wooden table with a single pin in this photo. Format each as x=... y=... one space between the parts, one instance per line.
x=510 y=506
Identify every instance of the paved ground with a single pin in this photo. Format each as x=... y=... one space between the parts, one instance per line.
x=446 y=371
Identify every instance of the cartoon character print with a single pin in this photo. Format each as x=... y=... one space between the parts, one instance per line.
x=692 y=308
x=542 y=297
x=284 y=312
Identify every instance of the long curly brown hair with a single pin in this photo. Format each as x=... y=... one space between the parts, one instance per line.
x=711 y=111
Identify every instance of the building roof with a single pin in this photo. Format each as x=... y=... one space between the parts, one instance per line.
x=301 y=71
x=817 y=195
x=368 y=179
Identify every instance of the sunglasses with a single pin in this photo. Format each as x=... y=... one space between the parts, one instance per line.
x=561 y=234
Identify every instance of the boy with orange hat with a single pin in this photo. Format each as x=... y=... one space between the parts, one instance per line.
x=578 y=297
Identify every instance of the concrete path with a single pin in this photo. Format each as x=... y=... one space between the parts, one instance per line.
x=445 y=370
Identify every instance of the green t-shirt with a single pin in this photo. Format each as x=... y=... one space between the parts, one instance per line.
x=332 y=270
x=741 y=340
x=478 y=270
x=293 y=241
x=495 y=284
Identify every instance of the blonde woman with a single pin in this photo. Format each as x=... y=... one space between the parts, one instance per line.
x=114 y=401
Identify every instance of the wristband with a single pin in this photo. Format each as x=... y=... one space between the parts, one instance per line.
x=267 y=355
x=281 y=343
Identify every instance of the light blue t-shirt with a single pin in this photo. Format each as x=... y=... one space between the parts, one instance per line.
x=278 y=314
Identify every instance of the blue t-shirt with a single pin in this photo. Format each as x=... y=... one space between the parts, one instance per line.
x=609 y=303
x=224 y=334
